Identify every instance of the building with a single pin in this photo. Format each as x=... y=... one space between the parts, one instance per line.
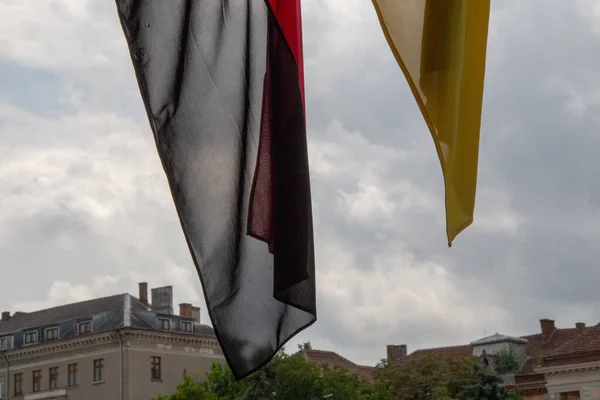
x=555 y=363
x=322 y=357
x=117 y=347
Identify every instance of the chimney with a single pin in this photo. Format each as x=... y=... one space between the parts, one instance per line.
x=143 y=292
x=18 y=314
x=580 y=327
x=185 y=310
x=196 y=314
x=5 y=316
x=396 y=353
x=548 y=328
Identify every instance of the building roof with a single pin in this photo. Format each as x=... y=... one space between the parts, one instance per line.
x=330 y=358
x=583 y=346
x=56 y=315
x=450 y=351
x=498 y=338
x=106 y=313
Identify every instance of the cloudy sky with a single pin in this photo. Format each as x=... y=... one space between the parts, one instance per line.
x=85 y=209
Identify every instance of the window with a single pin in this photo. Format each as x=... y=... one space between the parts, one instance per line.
x=31 y=337
x=73 y=380
x=2 y=395
x=52 y=333
x=186 y=326
x=84 y=327
x=99 y=370
x=5 y=342
x=18 y=384
x=53 y=383
x=155 y=371
x=37 y=380
x=164 y=323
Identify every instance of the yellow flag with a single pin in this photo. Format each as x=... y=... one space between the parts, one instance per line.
x=440 y=46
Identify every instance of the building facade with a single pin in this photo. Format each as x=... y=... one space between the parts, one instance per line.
x=117 y=347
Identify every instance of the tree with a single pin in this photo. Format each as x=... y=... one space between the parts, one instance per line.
x=427 y=377
x=506 y=360
x=487 y=386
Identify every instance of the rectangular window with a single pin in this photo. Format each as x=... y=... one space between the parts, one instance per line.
x=52 y=333
x=186 y=326
x=18 y=384
x=5 y=342
x=53 y=374
x=85 y=327
x=164 y=323
x=156 y=370
x=37 y=380
x=31 y=337
x=99 y=370
x=73 y=380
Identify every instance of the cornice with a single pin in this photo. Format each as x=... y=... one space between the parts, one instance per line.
x=41 y=349
x=170 y=337
x=114 y=336
x=562 y=369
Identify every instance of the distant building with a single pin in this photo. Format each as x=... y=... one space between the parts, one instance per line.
x=112 y=348
x=561 y=364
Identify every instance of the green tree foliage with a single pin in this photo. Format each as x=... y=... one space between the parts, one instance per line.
x=506 y=360
x=292 y=378
x=428 y=377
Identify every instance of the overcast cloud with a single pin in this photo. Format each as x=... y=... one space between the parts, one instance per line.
x=85 y=209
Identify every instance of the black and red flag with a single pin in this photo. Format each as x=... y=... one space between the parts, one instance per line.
x=223 y=86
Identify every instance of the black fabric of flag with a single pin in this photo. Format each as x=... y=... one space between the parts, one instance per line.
x=219 y=80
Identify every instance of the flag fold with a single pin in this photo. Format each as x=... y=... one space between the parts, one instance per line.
x=440 y=46
x=223 y=87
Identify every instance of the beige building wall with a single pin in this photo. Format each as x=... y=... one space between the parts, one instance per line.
x=574 y=381
x=177 y=359
x=179 y=353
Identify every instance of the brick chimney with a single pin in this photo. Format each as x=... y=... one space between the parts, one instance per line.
x=185 y=310
x=580 y=326
x=5 y=315
x=143 y=292
x=396 y=353
x=548 y=328
x=196 y=314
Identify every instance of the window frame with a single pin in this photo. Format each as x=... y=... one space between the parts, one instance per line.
x=18 y=384
x=98 y=376
x=187 y=324
x=72 y=372
x=53 y=378
x=52 y=328
x=161 y=322
x=84 y=323
x=155 y=368
x=8 y=340
x=31 y=332
x=36 y=381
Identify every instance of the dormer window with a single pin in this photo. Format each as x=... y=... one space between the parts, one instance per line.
x=31 y=337
x=186 y=326
x=6 y=342
x=51 y=333
x=164 y=323
x=84 y=327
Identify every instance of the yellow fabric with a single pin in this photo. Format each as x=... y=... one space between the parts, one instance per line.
x=440 y=46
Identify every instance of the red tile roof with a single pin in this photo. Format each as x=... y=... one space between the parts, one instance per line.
x=451 y=351
x=330 y=358
x=583 y=347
